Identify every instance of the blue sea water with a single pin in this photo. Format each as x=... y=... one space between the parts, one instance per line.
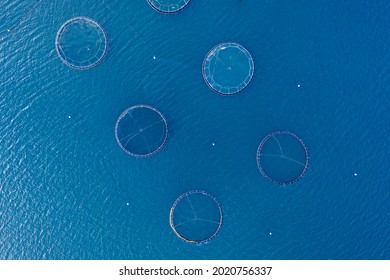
x=67 y=191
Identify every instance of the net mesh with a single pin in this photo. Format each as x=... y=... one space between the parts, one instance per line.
x=81 y=43
x=228 y=68
x=168 y=6
x=196 y=217
x=141 y=131
x=282 y=157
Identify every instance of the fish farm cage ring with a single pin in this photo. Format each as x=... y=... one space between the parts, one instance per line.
x=282 y=157
x=141 y=131
x=168 y=6
x=81 y=43
x=196 y=217
x=228 y=68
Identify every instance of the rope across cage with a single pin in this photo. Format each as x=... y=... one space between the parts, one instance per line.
x=282 y=157
x=228 y=68
x=196 y=217
x=168 y=6
x=81 y=43
x=141 y=131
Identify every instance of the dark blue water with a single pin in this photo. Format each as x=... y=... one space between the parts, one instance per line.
x=67 y=191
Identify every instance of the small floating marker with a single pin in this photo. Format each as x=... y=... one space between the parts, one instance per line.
x=355 y=174
x=8 y=30
x=270 y=233
x=213 y=144
x=154 y=57
x=127 y=203
x=299 y=85
x=69 y=117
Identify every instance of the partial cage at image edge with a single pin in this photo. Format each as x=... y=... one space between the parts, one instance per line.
x=168 y=8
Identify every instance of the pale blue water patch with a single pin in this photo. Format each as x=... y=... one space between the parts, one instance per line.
x=14 y=13
x=67 y=190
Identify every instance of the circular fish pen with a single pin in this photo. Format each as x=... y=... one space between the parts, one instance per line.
x=228 y=68
x=81 y=43
x=196 y=217
x=141 y=131
x=168 y=6
x=282 y=157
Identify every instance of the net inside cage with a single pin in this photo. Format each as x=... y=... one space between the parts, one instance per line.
x=81 y=43
x=168 y=6
x=228 y=68
x=282 y=157
x=141 y=131
x=196 y=217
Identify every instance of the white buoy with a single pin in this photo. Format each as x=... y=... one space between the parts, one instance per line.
x=355 y=174
x=127 y=203
x=213 y=144
x=270 y=233
x=154 y=57
x=299 y=85
x=69 y=117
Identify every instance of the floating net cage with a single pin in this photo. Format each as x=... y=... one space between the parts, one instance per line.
x=141 y=131
x=81 y=43
x=282 y=157
x=196 y=217
x=228 y=68
x=168 y=6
